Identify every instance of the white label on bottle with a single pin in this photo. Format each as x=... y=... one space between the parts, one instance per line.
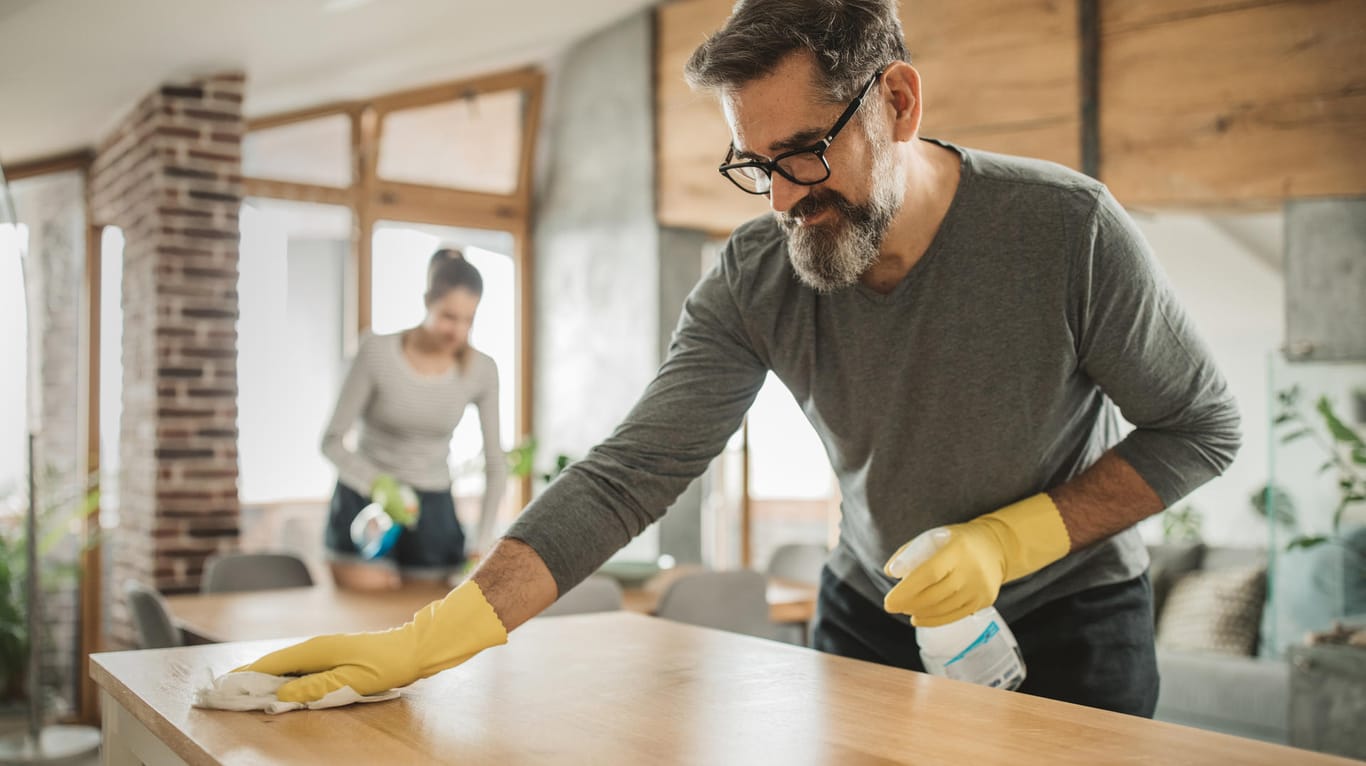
x=989 y=660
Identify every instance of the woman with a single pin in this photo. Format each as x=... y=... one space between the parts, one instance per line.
x=408 y=391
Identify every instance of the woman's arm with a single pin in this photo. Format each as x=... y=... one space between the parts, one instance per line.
x=495 y=462
x=357 y=389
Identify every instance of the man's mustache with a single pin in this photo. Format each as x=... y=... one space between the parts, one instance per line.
x=815 y=203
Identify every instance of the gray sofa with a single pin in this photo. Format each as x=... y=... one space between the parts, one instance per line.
x=1244 y=696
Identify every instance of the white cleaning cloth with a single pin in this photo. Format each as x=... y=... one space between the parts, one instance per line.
x=256 y=691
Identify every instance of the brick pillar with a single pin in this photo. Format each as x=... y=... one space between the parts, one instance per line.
x=170 y=176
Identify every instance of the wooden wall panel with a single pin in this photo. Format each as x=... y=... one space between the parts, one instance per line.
x=691 y=134
x=1001 y=76
x=1203 y=103
x=1232 y=104
x=997 y=75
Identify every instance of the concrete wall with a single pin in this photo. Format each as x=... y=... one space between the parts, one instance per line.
x=1326 y=279
x=606 y=297
x=680 y=266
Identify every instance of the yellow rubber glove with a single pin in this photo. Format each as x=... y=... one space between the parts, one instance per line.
x=441 y=635
x=980 y=556
x=397 y=500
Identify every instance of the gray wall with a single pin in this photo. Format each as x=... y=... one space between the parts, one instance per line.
x=1325 y=279
x=680 y=264
x=606 y=298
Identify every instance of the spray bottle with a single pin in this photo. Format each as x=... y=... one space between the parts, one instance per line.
x=979 y=648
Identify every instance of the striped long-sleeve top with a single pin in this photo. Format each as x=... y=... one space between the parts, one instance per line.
x=406 y=419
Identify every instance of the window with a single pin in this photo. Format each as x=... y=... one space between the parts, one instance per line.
x=111 y=371
x=792 y=493
x=401 y=253
x=474 y=143
x=290 y=333
x=13 y=381
x=312 y=152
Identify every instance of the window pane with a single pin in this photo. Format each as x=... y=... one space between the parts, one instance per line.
x=13 y=381
x=401 y=252
x=290 y=361
x=313 y=152
x=111 y=371
x=791 y=485
x=473 y=144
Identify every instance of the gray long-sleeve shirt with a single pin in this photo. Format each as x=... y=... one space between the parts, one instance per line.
x=989 y=374
x=406 y=421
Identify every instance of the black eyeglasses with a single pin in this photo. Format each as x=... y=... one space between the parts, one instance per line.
x=805 y=167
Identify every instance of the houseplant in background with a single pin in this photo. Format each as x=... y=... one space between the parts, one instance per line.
x=1319 y=576
x=1344 y=451
x=56 y=514
x=1182 y=524
x=522 y=461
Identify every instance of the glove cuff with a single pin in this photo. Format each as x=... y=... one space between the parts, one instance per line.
x=1032 y=535
x=455 y=629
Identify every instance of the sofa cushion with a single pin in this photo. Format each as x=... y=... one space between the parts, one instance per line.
x=1215 y=610
x=1219 y=557
x=1244 y=696
x=1170 y=562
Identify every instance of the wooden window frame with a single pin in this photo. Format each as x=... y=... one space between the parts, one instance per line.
x=371 y=199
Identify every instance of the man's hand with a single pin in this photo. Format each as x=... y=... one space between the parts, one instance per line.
x=966 y=574
x=441 y=635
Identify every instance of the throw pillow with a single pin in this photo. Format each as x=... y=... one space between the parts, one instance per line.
x=1214 y=611
x=1169 y=562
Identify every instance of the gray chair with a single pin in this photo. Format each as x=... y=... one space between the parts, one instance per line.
x=599 y=593
x=235 y=572
x=800 y=562
x=151 y=619
x=732 y=601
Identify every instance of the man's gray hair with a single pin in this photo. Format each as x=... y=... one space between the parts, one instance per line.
x=850 y=39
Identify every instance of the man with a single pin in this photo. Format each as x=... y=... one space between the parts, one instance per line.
x=955 y=324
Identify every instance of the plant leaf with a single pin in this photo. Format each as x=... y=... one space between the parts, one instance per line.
x=1341 y=509
x=1295 y=436
x=1336 y=427
x=1306 y=542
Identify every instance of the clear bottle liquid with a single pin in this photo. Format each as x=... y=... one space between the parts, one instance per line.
x=979 y=648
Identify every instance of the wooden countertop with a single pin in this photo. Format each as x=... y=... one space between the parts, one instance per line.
x=285 y=612
x=621 y=688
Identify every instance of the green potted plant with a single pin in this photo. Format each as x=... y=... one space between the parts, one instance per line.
x=522 y=461
x=55 y=514
x=1344 y=451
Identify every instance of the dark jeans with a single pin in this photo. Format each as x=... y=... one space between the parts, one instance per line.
x=437 y=543
x=1093 y=648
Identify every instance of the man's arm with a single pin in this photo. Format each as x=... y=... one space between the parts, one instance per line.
x=515 y=581
x=1105 y=499
x=694 y=405
x=1133 y=341
x=683 y=420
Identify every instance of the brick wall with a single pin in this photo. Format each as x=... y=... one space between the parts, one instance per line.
x=170 y=177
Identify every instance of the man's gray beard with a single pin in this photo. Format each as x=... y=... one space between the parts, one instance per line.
x=832 y=256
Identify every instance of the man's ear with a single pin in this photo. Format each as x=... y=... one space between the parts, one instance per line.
x=900 y=89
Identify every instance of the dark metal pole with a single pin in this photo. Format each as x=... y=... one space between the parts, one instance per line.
x=35 y=662
x=1088 y=13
